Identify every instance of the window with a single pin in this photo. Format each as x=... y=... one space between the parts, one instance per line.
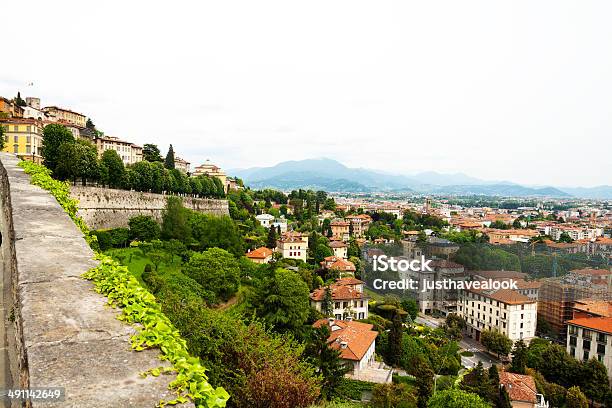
x=573 y=352
x=28 y=149
x=585 y=355
x=572 y=341
x=601 y=337
x=28 y=139
x=16 y=139
x=15 y=148
x=16 y=128
x=586 y=344
x=601 y=348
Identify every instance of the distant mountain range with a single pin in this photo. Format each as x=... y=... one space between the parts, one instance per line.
x=331 y=175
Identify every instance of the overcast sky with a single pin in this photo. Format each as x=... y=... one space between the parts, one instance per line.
x=513 y=90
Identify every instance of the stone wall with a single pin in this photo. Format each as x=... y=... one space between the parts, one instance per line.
x=109 y=208
x=59 y=332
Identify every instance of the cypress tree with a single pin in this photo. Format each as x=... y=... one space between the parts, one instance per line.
x=169 y=163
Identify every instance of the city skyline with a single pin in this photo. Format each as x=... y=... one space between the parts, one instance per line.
x=522 y=95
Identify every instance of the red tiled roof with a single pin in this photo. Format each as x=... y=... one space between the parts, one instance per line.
x=358 y=337
x=342 y=289
x=337 y=244
x=259 y=253
x=601 y=324
x=519 y=387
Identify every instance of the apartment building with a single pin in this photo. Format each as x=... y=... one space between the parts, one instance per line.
x=360 y=224
x=340 y=229
x=129 y=152
x=57 y=114
x=23 y=137
x=591 y=337
x=503 y=310
x=347 y=296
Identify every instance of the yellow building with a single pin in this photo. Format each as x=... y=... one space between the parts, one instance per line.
x=23 y=137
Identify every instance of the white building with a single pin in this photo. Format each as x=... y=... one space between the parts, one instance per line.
x=265 y=219
x=340 y=249
x=292 y=245
x=504 y=310
x=590 y=337
x=347 y=296
x=280 y=223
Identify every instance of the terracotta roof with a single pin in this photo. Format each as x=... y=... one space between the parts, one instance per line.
x=342 y=289
x=443 y=263
x=334 y=262
x=358 y=337
x=500 y=274
x=337 y=244
x=601 y=324
x=259 y=253
x=592 y=272
x=519 y=387
x=601 y=308
x=507 y=296
x=523 y=284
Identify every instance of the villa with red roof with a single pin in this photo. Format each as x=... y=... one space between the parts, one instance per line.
x=347 y=296
x=340 y=264
x=522 y=390
x=260 y=255
x=356 y=342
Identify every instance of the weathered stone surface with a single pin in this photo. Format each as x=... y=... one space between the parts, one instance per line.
x=110 y=208
x=65 y=334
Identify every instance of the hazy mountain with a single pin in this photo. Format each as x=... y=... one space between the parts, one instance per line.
x=601 y=192
x=328 y=174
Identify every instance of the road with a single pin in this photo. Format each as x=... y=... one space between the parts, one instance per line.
x=467 y=343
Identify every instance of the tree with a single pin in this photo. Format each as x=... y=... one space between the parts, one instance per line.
x=328 y=302
x=175 y=223
x=519 y=358
x=150 y=153
x=496 y=342
x=424 y=381
x=575 y=398
x=114 y=170
x=410 y=306
x=221 y=232
x=89 y=124
x=325 y=359
x=594 y=380
x=54 y=136
x=271 y=241
x=392 y=395
x=353 y=249
x=19 y=101
x=394 y=345
x=216 y=270
x=77 y=160
x=454 y=326
x=565 y=237
x=169 y=162
x=454 y=398
x=143 y=228
x=282 y=300
x=2 y=141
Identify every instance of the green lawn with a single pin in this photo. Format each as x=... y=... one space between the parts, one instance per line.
x=136 y=261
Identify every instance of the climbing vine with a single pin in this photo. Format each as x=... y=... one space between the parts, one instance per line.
x=138 y=308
